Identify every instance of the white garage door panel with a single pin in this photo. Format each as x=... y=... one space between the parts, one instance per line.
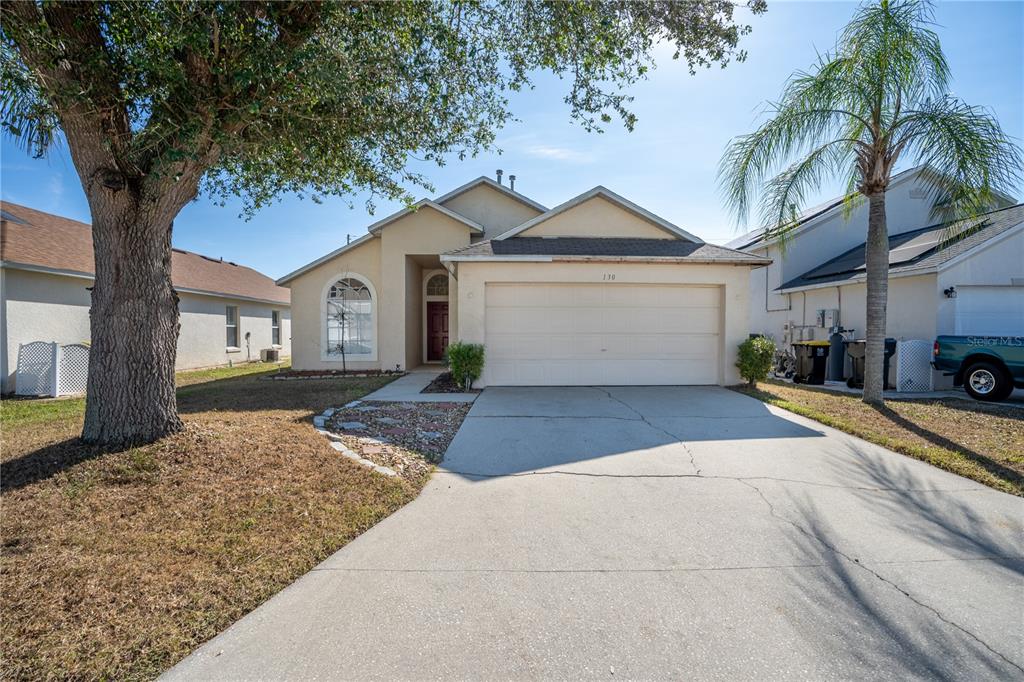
x=996 y=311
x=602 y=334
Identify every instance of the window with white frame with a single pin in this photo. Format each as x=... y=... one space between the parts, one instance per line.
x=231 y=324
x=275 y=327
x=350 y=310
x=437 y=285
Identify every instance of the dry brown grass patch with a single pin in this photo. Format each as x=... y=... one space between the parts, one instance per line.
x=116 y=565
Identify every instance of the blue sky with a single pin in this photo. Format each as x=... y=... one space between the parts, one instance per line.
x=667 y=164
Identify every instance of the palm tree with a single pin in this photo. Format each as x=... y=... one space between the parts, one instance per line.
x=882 y=97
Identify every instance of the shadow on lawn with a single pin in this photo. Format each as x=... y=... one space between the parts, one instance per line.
x=244 y=396
x=987 y=463
x=49 y=460
x=255 y=392
x=866 y=607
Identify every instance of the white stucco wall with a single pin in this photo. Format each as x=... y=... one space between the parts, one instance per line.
x=833 y=234
x=906 y=209
x=202 y=341
x=55 y=308
x=998 y=263
x=41 y=307
x=474 y=276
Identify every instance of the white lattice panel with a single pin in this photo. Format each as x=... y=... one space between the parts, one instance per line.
x=74 y=369
x=37 y=370
x=913 y=366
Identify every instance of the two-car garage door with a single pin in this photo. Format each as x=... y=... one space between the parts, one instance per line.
x=604 y=334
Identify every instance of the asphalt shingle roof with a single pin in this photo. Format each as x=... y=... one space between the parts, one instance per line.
x=611 y=247
x=969 y=234
x=34 y=238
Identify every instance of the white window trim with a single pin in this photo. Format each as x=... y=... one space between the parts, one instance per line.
x=427 y=274
x=237 y=326
x=374 y=308
x=280 y=320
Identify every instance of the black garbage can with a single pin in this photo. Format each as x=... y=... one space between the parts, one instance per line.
x=856 y=350
x=811 y=361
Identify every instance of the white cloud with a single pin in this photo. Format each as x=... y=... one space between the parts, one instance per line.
x=558 y=154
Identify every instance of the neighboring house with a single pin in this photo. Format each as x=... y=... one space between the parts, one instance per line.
x=967 y=277
x=228 y=312
x=597 y=291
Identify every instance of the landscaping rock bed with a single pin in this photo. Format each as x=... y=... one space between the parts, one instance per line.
x=408 y=438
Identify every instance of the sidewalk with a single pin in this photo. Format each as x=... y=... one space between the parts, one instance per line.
x=407 y=389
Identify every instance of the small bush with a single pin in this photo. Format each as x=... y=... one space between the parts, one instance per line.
x=755 y=359
x=466 y=361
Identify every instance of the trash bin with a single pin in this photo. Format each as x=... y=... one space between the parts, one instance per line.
x=811 y=360
x=856 y=350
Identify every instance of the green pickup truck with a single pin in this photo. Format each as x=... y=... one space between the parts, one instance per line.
x=988 y=367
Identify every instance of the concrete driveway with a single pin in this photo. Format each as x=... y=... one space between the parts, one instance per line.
x=686 y=533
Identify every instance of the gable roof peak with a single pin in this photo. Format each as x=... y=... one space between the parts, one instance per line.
x=424 y=203
x=607 y=194
x=483 y=180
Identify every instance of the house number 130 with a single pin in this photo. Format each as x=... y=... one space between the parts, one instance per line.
x=608 y=277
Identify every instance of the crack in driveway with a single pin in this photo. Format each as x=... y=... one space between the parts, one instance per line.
x=645 y=420
x=710 y=477
x=857 y=563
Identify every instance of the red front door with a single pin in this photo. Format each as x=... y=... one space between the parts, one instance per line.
x=437 y=330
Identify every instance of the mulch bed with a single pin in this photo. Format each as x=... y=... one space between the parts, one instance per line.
x=332 y=373
x=445 y=383
x=408 y=438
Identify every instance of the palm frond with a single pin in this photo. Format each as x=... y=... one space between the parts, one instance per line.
x=974 y=165
x=788 y=190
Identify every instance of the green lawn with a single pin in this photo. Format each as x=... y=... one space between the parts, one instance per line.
x=16 y=412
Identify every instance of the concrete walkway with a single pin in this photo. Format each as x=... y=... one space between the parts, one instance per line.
x=407 y=389
x=656 y=533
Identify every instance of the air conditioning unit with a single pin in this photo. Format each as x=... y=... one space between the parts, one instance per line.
x=270 y=355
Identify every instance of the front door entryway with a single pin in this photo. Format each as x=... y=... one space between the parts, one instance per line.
x=437 y=330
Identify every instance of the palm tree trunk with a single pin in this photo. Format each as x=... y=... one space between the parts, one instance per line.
x=130 y=395
x=877 y=262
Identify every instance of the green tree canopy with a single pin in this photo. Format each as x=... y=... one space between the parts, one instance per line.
x=323 y=97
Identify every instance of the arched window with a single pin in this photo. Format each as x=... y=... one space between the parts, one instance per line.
x=437 y=285
x=350 y=309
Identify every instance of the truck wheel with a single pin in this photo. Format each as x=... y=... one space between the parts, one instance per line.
x=985 y=381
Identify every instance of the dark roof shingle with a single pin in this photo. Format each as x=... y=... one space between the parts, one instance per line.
x=968 y=234
x=34 y=238
x=609 y=247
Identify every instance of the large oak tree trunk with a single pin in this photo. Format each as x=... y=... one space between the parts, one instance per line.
x=877 y=263
x=134 y=324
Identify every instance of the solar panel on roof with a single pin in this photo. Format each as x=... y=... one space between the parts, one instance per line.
x=926 y=241
x=851 y=261
x=910 y=249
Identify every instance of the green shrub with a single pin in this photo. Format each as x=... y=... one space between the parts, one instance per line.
x=755 y=359
x=466 y=361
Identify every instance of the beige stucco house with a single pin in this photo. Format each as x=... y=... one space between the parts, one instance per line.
x=596 y=291
x=229 y=313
